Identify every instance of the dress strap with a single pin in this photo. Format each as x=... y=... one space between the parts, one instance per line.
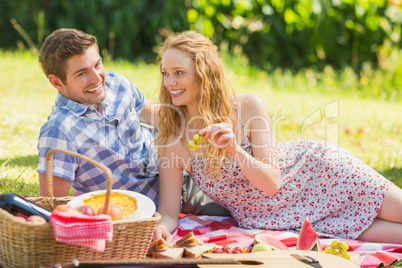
x=241 y=121
x=177 y=134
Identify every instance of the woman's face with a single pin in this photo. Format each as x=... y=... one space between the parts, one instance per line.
x=179 y=77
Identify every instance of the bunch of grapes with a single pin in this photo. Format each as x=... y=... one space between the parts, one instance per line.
x=195 y=144
x=339 y=249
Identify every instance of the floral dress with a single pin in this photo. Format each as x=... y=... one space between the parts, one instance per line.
x=340 y=194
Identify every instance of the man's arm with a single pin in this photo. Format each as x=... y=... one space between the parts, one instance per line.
x=61 y=187
x=149 y=115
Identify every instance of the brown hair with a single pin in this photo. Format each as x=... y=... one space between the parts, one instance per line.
x=61 y=45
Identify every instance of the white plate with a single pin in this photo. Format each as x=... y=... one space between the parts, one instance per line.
x=146 y=205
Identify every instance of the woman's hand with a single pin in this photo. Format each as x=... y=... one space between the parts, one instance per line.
x=221 y=135
x=161 y=232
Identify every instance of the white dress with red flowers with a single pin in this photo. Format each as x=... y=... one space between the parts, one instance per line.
x=340 y=194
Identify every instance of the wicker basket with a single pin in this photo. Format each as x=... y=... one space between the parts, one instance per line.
x=24 y=244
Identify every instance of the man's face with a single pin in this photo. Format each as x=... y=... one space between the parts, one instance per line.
x=85 y=78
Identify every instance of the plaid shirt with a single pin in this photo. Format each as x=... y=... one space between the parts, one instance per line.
x=116 y=139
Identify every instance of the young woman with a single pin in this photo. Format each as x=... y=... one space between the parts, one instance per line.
x=239 y=165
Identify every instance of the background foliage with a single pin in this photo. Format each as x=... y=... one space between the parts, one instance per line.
x=290 y=34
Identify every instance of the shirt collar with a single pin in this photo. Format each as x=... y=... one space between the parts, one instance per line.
x=72 y=106
x=79 y=109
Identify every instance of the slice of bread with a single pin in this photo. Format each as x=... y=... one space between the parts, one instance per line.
x=158 y=246
x=188 y=240
x=197 y=251
x=172 y=253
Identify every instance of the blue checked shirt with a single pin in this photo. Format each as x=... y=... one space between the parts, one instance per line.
x=116 y=139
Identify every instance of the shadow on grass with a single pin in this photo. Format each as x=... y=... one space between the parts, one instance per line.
x=22 y=161
x=394 y=175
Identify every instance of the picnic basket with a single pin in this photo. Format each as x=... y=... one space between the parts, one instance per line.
x=24 y=244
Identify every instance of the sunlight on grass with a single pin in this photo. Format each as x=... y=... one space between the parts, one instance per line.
x=300 y=107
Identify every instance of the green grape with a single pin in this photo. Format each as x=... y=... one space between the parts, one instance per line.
x=195 y=144
x=345 y=255
x=339 y=249
x=344 y=246
x=191 y=144
x=201 y=139
x=334 y=251
x=334 y=243
x=198 y=139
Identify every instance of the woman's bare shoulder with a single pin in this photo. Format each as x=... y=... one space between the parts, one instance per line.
x=173 y=144
x=250 y=105
x=174 y=151
x=248 y=97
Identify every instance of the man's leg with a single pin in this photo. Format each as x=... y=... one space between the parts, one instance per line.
x=194 y=201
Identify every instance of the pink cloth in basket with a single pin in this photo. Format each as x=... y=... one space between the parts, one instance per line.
x=82 y=230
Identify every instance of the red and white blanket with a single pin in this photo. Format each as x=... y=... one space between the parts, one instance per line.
x=223 y=231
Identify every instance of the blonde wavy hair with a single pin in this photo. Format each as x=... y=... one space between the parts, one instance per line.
x=215 y=102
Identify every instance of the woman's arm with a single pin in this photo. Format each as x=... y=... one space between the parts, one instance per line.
x=149 y=115
x=170 y=186
x=261 y=168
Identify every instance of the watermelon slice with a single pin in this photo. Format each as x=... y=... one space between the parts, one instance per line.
x=270 y=241
x=308 y=238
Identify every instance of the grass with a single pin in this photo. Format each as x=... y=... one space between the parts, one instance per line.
x=339 y=107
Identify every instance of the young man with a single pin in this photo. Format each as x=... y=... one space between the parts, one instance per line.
x=98 y=114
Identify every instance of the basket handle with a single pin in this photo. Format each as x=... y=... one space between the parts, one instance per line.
x=49 y=175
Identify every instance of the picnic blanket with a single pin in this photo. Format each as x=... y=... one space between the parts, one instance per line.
x=224 y=231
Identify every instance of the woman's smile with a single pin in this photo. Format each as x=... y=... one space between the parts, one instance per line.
x=177 y=93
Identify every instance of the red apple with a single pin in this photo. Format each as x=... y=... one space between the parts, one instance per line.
x=86 y=210
x=21 y=218
x=36 y=219
x=64 y=208
x=114 y=211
